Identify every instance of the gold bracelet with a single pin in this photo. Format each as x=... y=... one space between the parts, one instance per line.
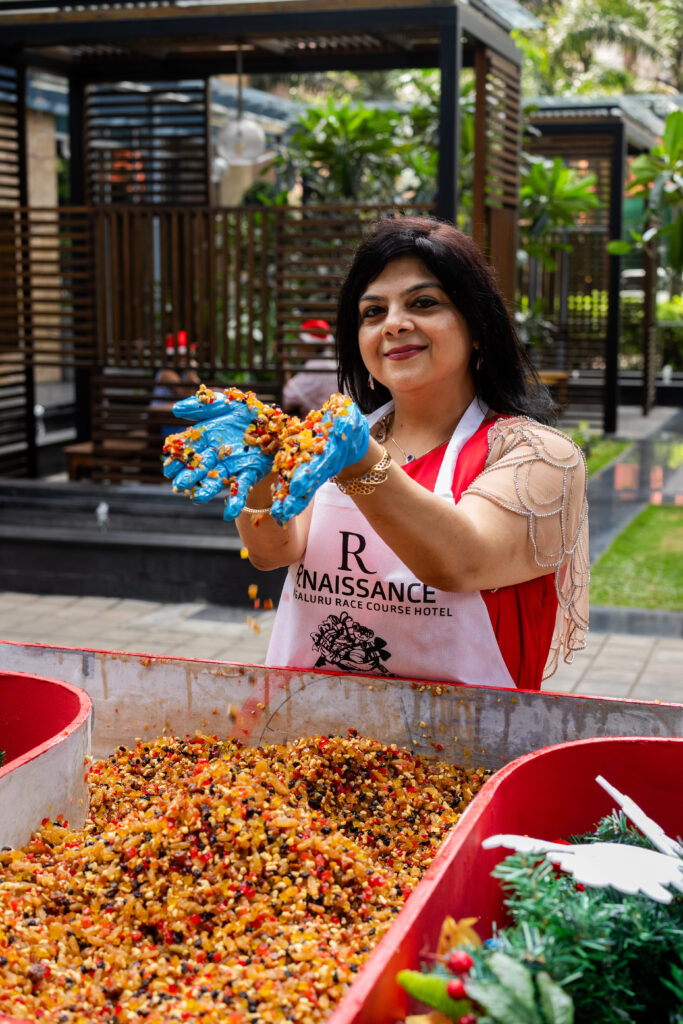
x=366 y=483
x=257 y=511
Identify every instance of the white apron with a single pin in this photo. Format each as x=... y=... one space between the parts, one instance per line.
x=352 y=606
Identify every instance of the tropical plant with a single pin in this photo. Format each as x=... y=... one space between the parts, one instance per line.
x=551 y=196
x=568 y=54
x=657 y=177
x=346 y=151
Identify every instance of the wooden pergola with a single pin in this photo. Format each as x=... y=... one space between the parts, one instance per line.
x=96 y=285
x=582 y=297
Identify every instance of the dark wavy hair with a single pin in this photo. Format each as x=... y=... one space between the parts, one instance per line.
x=506 y=380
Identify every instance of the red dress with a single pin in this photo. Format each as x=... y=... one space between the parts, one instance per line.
x=522 y=615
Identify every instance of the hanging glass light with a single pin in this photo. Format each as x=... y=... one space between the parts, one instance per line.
x=243 y=140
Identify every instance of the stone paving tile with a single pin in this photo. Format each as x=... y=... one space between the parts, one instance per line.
x=203 y=647
x=161 y=614
x=614 y=653
x=51 y=602
x=243 y=656
x=118 y=640
x=657 y=689
x=627 y=645
x=669 y=656
x=12 y=598
x=669 y=644
x=560 y=684
x=605 y=687
x=128 y=611
x=13 y=622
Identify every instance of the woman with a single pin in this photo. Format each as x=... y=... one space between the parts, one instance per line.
x=452 y=543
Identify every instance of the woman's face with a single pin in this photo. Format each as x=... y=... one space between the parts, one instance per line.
x=410 y=334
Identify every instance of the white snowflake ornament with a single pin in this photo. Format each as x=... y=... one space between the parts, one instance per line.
x=630 y=869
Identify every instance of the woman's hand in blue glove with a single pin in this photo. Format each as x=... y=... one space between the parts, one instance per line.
x=338 y=439
x=231 y=447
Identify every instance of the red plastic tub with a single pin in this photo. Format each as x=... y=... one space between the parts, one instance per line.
x=549 y=794
x=45 y=733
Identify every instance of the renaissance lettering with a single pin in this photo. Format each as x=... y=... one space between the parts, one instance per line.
x=350 y=586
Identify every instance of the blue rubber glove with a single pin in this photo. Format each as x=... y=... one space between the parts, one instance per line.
x=211 y=456
x=346 y=442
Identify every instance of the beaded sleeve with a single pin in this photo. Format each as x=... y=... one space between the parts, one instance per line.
x=538 y=472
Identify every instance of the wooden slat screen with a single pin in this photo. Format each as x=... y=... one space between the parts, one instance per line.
x=503 y=91
x=576 y=294
x=313 y=250
x=9 y=138
x=15 y=416
x=147 y=144
x=495 y=185
x=47 y=307
x=101 y=288
x=15 y=446
x=205 y=271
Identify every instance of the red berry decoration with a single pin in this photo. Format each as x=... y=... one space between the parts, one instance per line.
x=460 y=962
x=455 y=989
x=467 y=1018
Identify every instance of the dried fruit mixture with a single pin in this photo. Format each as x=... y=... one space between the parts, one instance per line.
x=216 y=882
x=291 y=440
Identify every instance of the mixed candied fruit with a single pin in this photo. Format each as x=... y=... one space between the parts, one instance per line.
x=291 y=440
x=217 y=882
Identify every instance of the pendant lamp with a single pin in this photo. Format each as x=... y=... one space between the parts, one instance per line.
x=243 y=140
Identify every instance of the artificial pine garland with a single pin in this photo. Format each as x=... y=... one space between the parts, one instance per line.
x=573 y=955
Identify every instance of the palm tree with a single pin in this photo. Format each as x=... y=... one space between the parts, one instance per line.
x=667 y=23
x=568 y=55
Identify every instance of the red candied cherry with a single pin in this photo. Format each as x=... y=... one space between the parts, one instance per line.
x=455 y=989
x=459 y=962
x=467 y=1018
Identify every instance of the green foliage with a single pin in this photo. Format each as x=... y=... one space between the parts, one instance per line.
x=566 y=55
x=552 y=196
x=584 y=436
x=607 y=950
x=670 y=332
x=675 y=983
x=643 y=567
x=590 y=956
x=509 y=992
x=346 y=151
x=614 y=828
x=599 y=450
x=657 y=177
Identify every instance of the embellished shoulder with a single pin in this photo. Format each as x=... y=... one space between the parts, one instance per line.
x=537 y=471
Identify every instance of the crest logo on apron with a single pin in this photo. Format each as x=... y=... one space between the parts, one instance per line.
x=343 y=643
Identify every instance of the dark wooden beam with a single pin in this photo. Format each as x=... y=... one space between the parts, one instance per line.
x=27 y=290
x=176 y=67
x=477 y=27
x=450 y=56
x=77 y=197
x=119 y=30
x=616 y=227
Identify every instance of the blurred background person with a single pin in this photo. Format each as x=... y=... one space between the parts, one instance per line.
x=317 y=379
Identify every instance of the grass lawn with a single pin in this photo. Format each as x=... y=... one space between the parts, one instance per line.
x=643 y=567
x=604 y=451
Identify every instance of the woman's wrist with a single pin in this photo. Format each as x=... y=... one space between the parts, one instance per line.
x=372 y=456
x=260 y=496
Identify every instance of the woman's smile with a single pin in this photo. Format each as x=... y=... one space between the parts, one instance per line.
x=405 y=351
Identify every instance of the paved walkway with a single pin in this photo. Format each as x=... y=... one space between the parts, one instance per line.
x=613 y=664
x=616 y=664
